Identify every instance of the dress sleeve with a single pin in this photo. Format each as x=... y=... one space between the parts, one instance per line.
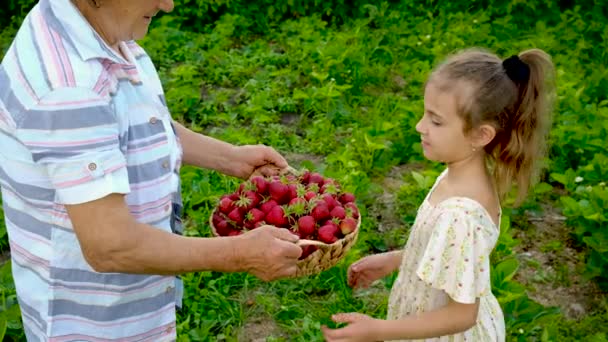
x=74 y=134
x=456 y=258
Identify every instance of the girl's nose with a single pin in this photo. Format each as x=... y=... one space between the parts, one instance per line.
x=166 y=5
x=419 y=126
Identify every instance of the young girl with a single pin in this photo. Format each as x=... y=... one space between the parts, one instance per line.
x=487 y=119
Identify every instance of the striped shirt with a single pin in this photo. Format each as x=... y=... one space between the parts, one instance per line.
x=77 y=123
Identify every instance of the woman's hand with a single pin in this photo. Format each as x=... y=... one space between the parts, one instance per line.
x=364 y=272
x=244 y=160
x=360 y=328
x=268 y=252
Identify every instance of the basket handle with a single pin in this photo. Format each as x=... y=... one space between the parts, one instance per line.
x=304 y=242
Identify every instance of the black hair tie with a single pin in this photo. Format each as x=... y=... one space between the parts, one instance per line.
x=516 y=69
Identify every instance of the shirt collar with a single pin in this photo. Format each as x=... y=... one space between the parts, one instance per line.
x=73 y=26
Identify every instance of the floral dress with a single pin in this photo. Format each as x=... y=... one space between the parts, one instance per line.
x=447 y=254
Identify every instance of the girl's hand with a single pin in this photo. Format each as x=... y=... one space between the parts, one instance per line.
x=360 y=328
x=364 y=272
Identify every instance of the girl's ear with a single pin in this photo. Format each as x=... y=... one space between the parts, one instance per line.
x=483 y=135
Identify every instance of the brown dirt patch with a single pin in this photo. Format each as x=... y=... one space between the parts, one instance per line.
x=551 y=267
x=258 y=329
x=384 y=209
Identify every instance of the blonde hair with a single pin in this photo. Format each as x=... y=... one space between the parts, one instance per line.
x=518 y=104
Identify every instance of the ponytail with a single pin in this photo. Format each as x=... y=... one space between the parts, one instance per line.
x=521 y=148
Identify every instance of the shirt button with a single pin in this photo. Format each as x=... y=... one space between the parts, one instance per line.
x=167 y=207
x=169 y=329
x=92 y=166
x=166 y=164
x=153 y=120
x=169 y=289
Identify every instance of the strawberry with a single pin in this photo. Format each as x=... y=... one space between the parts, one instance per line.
x=236 y=216
x=234 y=196
x=330 y=200
x=261 y=184
x=266 y=206
x=306 y=177
x=297 y=200
x=327 y=234
x=247 y=200
x=309 y=195
x=226 y=205
x=352 y=210
x=316 y=178
x=320 y=211
x=255 y=215
x=234 y=232
x=329 y=187
x=276 y=217
x=348 y=225
x=306 y=226
x=279 y=192
x=222 y=227
x=331 y=222
x=306 y=251
x=293 y=191
x=347 y=197
x=338 y=212
x=314 y=187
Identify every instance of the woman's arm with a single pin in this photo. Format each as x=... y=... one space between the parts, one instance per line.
x=203 y=151
x=238 y=161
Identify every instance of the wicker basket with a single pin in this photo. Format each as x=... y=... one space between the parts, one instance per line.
x=325 y=257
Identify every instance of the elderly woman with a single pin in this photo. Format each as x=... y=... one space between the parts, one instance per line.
x=89 y=168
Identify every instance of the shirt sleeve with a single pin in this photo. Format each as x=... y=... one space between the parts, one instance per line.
x=456 y=259
x=74 y=134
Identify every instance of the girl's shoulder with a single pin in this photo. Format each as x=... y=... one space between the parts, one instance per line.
x=468 y=209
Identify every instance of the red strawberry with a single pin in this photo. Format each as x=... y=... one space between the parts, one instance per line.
x=226 y=205
x=234 y=196
x=276 y=217
x=309 y=195
x=316 y=178
x=306 y=225
x=234 y=232
x=327 y=234
x=347 y=197
x=348 y=225
x=330 y=200
x=255 y=215
x=293 y=191
x=352 y=210
x=236 y=216
x=261 y=184
x=278 y=192
x=331 y=222
x=268 y=205
x=297 y=200
x=222 y=227
x=338 y=212
x=217 y=217
x=329 y=187
x=306 y=177
x=320 y=211
x=306 y=251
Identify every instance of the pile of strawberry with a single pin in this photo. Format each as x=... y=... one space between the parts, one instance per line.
x=310 y=205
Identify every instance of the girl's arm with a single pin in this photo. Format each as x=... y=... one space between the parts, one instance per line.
x=450 y=319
